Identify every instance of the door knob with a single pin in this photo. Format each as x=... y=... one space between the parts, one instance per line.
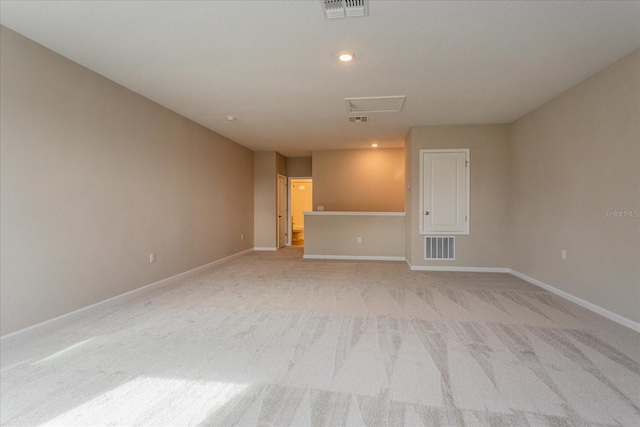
x=426 y=212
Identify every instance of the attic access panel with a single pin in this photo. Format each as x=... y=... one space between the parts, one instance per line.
x=375 y=104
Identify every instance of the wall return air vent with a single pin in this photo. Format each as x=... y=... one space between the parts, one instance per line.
x=335 y=9
x=440 y=247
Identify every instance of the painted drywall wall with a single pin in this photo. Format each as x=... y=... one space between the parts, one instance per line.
x=575 y=186
x=299 y=167
x=408 y=202
x=281 y=164
x=487 y=244
x=359 y=180
x=381 y=236
x=94 y=178
x=265 y=199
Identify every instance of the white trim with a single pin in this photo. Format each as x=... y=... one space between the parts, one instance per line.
x=265 y=248
x=337 y=213
x=586 y=304
x=7 y=338
x=446 y=233
x=356 y=257
x=459 y=269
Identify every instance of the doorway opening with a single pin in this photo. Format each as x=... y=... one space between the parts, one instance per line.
x=301 y=191
x=282 y=211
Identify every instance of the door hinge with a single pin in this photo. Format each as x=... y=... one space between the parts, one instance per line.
x=466 y=218
x=466 y=163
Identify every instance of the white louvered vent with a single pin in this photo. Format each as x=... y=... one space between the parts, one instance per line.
x=440 y=247
x=334 y=9
x=358 y=119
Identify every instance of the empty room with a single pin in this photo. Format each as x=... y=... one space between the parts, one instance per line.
x=320 y=213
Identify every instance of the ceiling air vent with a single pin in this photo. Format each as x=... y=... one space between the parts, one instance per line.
x=334 y=9
x=375 y=104
x=358 y=119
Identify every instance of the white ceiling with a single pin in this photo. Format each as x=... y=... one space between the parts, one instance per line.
x=273 y=65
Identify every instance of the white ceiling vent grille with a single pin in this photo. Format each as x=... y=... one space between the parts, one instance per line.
x=440 y=248
x=334 y=9
x=358 y=119
x=375 y=104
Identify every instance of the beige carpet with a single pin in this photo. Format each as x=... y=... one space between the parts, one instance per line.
x=269 y=339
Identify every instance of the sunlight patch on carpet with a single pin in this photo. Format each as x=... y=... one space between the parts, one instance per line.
x=151 y=400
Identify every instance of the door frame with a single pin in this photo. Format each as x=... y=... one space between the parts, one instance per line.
x=289 y=213
x=286 y=207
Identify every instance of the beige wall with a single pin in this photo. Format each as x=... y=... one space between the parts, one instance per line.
x=382 y=236
x=267 y=166
x=299 y=167
x=265 y=199
x=94 y=178
x=487 y=244
x=408 y=202
x=571 y=159
x=281 y=164
x=359 y=180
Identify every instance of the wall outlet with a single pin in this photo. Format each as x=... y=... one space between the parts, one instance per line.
x=242 y=237
x=152 y=257
x=320 y=208
x=563 y=255
x=359 y=239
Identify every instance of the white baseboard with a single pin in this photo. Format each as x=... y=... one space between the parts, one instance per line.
x=586 y=304
x=7 y=338
x=355 y=257
x=459 y=269
x=265 y=248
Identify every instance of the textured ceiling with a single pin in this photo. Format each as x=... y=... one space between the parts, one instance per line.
x=273 y=64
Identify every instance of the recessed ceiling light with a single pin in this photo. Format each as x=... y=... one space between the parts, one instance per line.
x=346 y=56
x=374 y=145
x=231 y=118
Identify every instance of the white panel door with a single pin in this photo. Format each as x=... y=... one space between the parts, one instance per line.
x=444 y=183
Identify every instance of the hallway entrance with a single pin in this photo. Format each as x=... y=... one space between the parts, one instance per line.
x=301 y=191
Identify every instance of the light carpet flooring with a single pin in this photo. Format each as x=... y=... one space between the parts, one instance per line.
x=269 y=339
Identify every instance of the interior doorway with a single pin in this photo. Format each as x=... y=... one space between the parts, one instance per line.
x=301 y=200
x=282 y=211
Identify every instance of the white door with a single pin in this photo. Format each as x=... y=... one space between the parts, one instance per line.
x=444 y=192
x=282 y=211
